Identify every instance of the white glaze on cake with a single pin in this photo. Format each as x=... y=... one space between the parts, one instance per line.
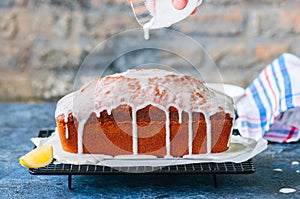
x=190 y=128
x=67 y=130
x=134 y=133
x=168 y=142
x=208 y=132
x=65 y=103
x=140 y=88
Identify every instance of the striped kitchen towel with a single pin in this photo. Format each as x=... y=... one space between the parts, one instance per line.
x=270 y=101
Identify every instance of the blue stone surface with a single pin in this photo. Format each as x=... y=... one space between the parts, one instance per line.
x=20 y=122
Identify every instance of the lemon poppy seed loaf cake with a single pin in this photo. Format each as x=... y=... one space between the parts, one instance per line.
x=145 y=112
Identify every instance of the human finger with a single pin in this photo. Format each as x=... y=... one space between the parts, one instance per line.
x=179 y=4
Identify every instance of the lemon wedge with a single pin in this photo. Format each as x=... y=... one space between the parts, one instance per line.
x=38 y=157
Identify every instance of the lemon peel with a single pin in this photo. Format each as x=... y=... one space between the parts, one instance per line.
x=38 y=157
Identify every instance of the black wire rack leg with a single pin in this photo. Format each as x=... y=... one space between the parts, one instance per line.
x=70 y=182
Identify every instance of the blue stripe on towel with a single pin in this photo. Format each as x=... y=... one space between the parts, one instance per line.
x=250 y=124
x=287 y=82
x=259 y=104
x=266 y=95
x=280 y=131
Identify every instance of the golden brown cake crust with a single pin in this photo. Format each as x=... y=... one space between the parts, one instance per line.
x=112 y=134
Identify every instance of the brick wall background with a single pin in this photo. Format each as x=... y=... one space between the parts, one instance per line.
x=43 y=42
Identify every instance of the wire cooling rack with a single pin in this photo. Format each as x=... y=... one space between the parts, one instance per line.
x=212 y=168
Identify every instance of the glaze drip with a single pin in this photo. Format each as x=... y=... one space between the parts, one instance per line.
x=190 y=133
x=66 y=124
x=134 y=133
x=208 y=132
x=67 y=131
x=168 y=137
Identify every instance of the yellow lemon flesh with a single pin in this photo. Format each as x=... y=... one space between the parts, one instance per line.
x=38 y=157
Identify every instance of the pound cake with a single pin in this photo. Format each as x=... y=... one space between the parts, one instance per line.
x=145 y=112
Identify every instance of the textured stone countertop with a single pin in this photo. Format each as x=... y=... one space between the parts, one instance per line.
x=20 y=122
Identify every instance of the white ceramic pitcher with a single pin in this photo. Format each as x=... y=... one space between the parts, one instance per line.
x=153 y=14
